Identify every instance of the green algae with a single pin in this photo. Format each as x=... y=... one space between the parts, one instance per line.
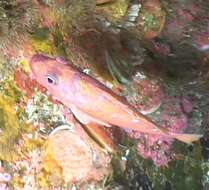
x=41 y=33
x=10 y=130
x=41 y=41
x=185 y=173
x=49 y=41
x=150 y=22
x=187 y=170
x=114 y=11
x=59 y=42
x=13 y=124
x=16 y=18
x=72 y=16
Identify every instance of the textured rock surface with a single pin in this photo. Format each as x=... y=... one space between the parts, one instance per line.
x=80 y=158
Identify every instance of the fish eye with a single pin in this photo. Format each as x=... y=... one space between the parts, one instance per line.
x=51 y=79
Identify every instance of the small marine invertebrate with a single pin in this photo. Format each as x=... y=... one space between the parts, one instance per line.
x=146 y=20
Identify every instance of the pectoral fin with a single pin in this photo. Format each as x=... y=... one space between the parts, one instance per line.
x=95 y=130
x=85 y=118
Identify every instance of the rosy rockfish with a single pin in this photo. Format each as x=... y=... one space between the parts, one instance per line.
x=92 y=102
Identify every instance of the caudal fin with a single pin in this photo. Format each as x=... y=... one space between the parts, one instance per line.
x=187 y=138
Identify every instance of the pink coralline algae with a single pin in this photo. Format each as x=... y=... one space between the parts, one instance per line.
x=172 y=116
x=179 y=25
x=187 y=106
x=201 y=40
x=145 y=93
x=4 y=178
x=160 y=48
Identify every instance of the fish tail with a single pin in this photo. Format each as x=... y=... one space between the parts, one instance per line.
x=186 y=138
x=151 y=128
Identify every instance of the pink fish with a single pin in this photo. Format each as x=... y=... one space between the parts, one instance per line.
x=90 y=101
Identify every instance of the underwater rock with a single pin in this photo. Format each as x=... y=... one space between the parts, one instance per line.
x=73 y=16
x=134 y=47
x=92 y=46
x=187 y=106
x=79 y=157
x=145 y=19
x=174 y=30
x=200 y=40
x=10 y=128
x=185 y=23
x=109 y=57
x=162 y=49
x=26 y=84
x=16 y=20
x=112 y=12
x=144 y=93
x=172 y=117
x=141 y=181
x=205 y=148
x=177 y=25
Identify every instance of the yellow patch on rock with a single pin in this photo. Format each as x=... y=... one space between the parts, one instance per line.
x=10 y=129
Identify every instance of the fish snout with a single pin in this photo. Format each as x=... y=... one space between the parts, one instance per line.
x=38 y=58
x=37 y=63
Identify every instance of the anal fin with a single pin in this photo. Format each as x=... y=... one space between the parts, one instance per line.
x=101 y=136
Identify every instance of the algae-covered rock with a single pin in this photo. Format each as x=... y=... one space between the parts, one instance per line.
x=72 y=15
x=16 y=19
x=10 y=130
x=113 y=11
